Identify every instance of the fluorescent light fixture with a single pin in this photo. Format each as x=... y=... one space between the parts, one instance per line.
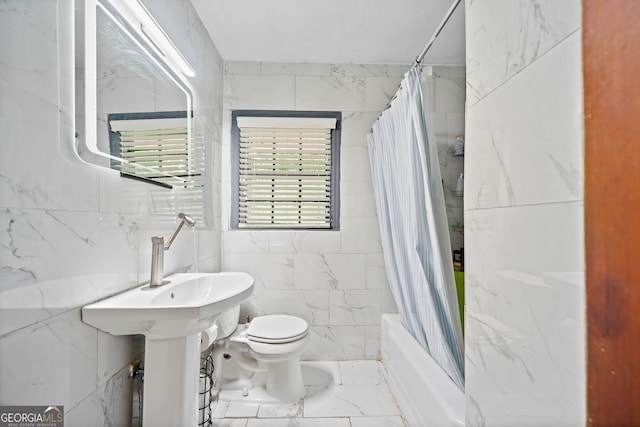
x=139 y=18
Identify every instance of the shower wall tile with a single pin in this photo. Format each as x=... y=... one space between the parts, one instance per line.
x=241 y=67
x=245 y=242
x=336 y=343
x=269 y=271
x=522 y=150
x=29 y=72
x=329 y=271
x=437 y=128
x=443 y=100
x=388 y=302
x=380 y=90
x=545 y=395
x=354 y=164
x=114 y=352
x=286 y=241
x=455 y=126
x=52 y=361
x=274 y=92
x=310 y=305
x=355 y=127
x=397 y=70
x=105 y=406
x=501 y=281
x=330 y=93
x=427 y=77
x=449 y=93
x=359 y=70
x=314 y=241
x=520 y=32
x=225 y=193
x=205 y=249
x=281 y=242
x=357 y=200
x=361 y=235
x=524 y=228
x=355 y=307
x=372 y=340
x=298 y=69
x=45 y=270
x=450 y=72
x=524 y=315
x=376 y=274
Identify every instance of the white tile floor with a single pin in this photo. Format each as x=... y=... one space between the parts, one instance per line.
x=340 y=394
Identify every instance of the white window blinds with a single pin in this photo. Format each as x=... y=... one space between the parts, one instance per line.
x=284 y=172
x=160 y=150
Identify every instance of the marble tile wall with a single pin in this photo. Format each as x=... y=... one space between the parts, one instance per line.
x=74 y=232
x=443 y=89
x=333 y=279
x=523 y=208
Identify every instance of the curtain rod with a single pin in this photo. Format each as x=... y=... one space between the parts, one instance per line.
x=420 y=57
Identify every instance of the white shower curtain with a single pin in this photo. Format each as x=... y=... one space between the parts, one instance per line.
x=413 y=227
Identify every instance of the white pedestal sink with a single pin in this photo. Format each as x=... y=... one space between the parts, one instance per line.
x=171 y=318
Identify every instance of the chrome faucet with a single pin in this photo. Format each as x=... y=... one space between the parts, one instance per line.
x=158 y=248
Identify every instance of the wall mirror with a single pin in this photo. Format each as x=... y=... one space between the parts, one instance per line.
x=133 y=100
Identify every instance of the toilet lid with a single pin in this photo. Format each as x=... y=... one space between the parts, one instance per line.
x=277 y=329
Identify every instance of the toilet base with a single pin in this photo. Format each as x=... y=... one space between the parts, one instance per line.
x=284 y=381
x=243 y=366
x=281 y=383
x=255 y=395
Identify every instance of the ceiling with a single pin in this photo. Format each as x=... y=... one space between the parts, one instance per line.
x=334 y=31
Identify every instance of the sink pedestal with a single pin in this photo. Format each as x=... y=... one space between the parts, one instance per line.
x=171 y=379
x=171 y=318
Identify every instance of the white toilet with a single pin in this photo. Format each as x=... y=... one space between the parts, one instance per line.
x=260 y=361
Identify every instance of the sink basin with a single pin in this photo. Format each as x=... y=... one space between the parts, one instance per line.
x=189 y=303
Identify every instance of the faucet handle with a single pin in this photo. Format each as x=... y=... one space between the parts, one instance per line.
x=187 y=219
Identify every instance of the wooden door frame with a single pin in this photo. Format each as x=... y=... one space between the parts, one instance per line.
x=611 y=66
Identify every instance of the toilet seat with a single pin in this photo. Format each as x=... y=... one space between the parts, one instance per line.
x=277 y=329
x=274 y=338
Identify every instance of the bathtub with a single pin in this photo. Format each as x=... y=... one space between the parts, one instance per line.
x=425 y=393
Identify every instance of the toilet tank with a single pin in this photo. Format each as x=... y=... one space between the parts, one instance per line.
x=227 y=322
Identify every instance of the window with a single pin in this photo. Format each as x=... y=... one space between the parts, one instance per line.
x=285 y=170
x=155 y=147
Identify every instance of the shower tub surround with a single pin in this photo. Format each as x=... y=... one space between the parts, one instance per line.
x=425 y=393
x=73 y=232
x=525 y=327
x=443 y=91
